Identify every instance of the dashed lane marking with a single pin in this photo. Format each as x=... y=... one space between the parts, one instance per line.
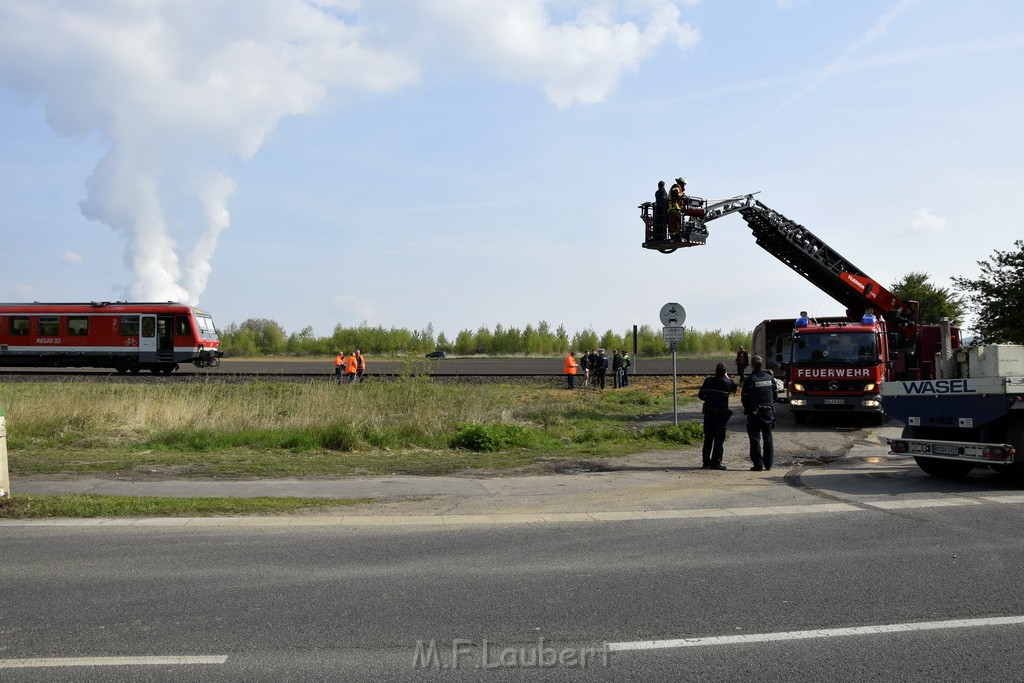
x=816 y=633
x=45 y=662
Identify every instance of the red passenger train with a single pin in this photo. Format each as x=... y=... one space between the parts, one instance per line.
x=127 y=337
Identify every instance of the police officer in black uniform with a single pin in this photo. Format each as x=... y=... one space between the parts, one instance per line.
x=715 y=394
x=758 y=397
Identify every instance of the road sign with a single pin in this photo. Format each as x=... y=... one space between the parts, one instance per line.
x=673 y=334
x=672 y=315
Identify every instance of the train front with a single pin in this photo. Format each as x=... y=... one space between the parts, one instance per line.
x=208 y=353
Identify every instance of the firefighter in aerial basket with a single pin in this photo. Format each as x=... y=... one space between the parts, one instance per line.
x=758 y=397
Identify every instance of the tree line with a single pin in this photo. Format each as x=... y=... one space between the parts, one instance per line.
x=263 y=337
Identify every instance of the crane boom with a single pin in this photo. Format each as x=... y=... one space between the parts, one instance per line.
x=791 y=243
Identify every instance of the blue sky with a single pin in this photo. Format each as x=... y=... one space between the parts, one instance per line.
x=470 y=162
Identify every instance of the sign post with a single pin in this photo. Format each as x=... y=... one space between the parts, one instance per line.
x=672 y=317
x=5 y=477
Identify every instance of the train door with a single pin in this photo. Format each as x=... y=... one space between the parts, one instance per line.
x=165 y=338
x=147 y=338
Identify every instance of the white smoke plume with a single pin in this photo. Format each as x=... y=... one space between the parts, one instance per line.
x=178 y=88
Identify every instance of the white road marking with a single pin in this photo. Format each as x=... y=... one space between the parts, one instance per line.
x=43 y=662
x=816 y=633
x=491 y=519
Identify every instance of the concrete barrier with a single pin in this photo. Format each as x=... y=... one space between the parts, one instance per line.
x=5 y=477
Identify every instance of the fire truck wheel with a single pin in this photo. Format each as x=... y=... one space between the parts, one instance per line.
x=944 y=469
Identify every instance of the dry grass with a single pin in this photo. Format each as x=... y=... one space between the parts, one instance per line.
x=294 y=429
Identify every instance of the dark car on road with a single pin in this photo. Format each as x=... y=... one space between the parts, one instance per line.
x=436 y=354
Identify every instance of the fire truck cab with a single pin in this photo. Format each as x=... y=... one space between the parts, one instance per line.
x=838 y=367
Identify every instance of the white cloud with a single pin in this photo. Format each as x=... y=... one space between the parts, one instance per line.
x=577 y=60
x=925 y=221
x=24 y=292
x=72 y=257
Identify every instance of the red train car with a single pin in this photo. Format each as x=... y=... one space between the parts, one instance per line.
x=127 y=337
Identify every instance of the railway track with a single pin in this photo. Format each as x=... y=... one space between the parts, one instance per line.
x=470 y=370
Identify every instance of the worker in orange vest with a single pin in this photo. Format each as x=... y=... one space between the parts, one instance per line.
x=570 y=370
x=351 y=365
x=360 y=365
x=339 y=362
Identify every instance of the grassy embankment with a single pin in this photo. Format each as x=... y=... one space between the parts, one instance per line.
x=411 y=426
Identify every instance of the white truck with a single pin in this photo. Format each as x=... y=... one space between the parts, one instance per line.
x=971 y=415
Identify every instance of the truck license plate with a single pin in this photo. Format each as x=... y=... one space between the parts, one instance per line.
x=943 y=449
x=834 y=402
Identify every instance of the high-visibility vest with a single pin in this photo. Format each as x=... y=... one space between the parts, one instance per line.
x=570 y=365
x=350 y=364
x=360 y=362
x=339 y=360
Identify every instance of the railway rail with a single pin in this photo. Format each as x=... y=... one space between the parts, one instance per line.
x=469 y=370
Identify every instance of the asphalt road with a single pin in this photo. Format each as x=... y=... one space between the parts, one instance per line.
x=898 y=562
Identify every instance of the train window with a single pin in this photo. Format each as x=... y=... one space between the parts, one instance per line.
x=18 y=325
x=129 y=326
x=149 y=327
x=78 y=327
x=49 y=326
x=205 y=323
x=181 y=327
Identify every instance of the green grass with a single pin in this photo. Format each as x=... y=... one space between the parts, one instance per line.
x=412 y=426
x=91 y=505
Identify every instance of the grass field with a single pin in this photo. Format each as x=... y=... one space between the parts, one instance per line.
x=410 y=426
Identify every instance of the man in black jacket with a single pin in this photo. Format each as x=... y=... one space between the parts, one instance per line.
x=715 y=393
x=758 y=396
x=601 y=367
x=661 y=212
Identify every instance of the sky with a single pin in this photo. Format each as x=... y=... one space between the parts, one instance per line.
x=468 y=163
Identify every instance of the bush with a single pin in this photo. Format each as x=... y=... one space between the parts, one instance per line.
x=492 y=437
x=684 y=434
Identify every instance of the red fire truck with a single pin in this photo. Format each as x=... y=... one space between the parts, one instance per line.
x=833 y=365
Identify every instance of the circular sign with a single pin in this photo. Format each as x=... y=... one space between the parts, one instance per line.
x=672 y=315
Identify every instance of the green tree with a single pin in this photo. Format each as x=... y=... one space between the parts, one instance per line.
x=997 y=296
x=936 y=302
x=484 y=340
x=585 y=340
x=268 y=336
x=465 y=344
x=611 y=341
